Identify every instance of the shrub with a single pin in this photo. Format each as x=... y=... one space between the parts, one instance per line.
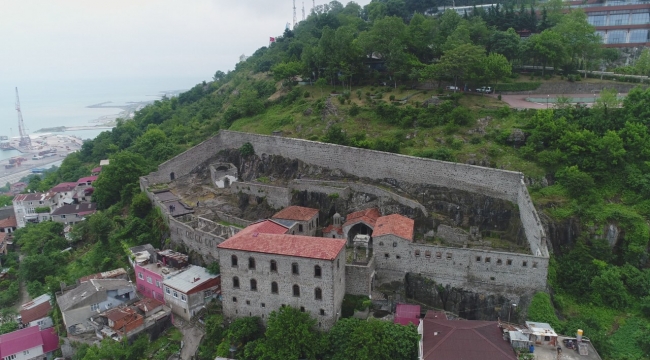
x=391 y=98
x=354 y=110
x=341 y=100
x=247 y=149
x=307 y=94
x=475 y=140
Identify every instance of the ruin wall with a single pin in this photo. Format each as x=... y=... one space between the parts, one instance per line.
x=277 y=197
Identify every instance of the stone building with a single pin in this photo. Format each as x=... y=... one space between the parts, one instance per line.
x=334 y=230
x=360 y=223
x=300 y=220
x=264 y=269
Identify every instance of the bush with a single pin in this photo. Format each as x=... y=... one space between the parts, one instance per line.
x=354 y=110
x=247 y=149
x=341 y=100
x=391 y=98
x=307 y=94
x=518 y=86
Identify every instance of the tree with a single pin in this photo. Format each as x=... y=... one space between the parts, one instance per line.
x=140 y=205
x=462 y=62
x=506 y=43
x=335 y=135
x=579 y=37
x=286 y=71
x=611 y=290
x=219 y=75
x=289 y=334
x=118 y=179
x=496 y=68
x=549 y=47
x=8 y=327
x=321 y=83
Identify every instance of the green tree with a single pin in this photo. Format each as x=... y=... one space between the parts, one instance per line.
x=462 y=62
x=140 y=205
x=214 y=333
x=37 y=238
x=580 y=38
x=118 y=180
x=335 y=135
x=548 y=47
x=496 y=67
x=285 y=71
x=506 y=43
x=8 y=327
x=611 y=289
x=289 y=335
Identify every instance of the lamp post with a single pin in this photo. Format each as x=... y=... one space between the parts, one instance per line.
x=510 y=308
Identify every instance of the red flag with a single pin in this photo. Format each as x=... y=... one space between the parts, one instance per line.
x=271 y=39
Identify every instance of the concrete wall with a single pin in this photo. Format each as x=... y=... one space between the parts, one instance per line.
x=262 y=301
x=277 y=197
x=358 y=278
x=460 y=267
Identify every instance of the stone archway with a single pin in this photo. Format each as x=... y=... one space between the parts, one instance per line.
x=360 y=228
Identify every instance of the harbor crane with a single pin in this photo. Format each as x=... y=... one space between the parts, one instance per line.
x=25 y=141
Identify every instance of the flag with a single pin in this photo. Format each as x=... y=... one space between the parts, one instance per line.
x=271 y=39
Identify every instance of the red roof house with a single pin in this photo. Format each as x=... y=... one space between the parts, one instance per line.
x=31 y=340
x=35 y=309
x=463 y=339
x=285 y=244
x=87 y=180
x=369 y=216
x=297 y=213
x=394 y=225
x=407 y=314
x=64 y=187
x=8 y=225
x=300 y=220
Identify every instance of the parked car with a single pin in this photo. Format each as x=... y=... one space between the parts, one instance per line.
x=452 y=88
x=484 y=89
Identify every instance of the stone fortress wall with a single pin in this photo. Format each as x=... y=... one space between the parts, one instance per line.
x=363 y=163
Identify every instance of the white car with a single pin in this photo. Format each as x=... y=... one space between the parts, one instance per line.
x=484 y=89
x=452 y=88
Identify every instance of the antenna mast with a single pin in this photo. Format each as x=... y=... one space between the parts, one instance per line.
x=295 y=18
x=25 y=141
x=303 y=11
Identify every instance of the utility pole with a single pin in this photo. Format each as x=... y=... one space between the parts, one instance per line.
x=25 y=141
x=303 y=11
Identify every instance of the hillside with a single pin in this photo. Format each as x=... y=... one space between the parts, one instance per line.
x=374 y=84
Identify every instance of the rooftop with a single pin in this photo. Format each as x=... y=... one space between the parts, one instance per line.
x=266 y=227
x=369 y=216
x=190 y=279
x=548 y=352
x=112 y=274
x=71 y=297
x=66 y=186
x=284 y=244
x=81 y=209
x=331 y=228
x=166 y=195
x=8 y=222
x=297 y=213
x=115 y=314
x=148 y=304
x=464 y=339
x=96 y=170
x=87 y=179
x=395 y=225
x=407 y=314
x=35 y=309
x=19 y=340
x=35 y=196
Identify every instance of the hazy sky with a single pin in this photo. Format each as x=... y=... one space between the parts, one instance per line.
x=66 y=39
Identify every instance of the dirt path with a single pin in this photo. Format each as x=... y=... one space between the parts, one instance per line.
x=23 y=296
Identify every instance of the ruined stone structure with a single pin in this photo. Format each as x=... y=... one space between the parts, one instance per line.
x=393 y=183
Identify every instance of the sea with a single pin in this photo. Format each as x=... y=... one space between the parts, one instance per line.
x=47 y=104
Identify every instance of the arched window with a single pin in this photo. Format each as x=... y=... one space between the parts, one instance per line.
x=317 y=271
x=294 y=269
x=251 y=263
x=274 y=266
x=235 y=282
x=296 y=291
x=274 y=287
x=253 y=285
x=233 y=260
x=318 y=294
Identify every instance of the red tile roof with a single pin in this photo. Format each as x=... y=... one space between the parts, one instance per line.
x=36 y=309
x=66 y=186
x=20 y=340
x=96 y=170
x=407 y=314
x=284 y=244
x=368 y=216
x=297 y=213
x=331 y=228
x=266 y=227
x=464 y=339
x=148 y=304
x=395 y=225
x=8 y=222
x=50 y=340
x=87 y=179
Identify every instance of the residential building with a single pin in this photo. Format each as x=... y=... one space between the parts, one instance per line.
x=34 y=207
x=406 y=314
x=188 y=291
x=96 y=170
x=29 y=343
x=64 y=192
x=151 y=273
x=79 y=303
x=17 y=188
x=71 y=214
x=36 y=310
x=118 y=273
x=300 y=220
x=8 y=225
x=263 y=269
x=129 y=321
x=142 y=254
x=5 y=241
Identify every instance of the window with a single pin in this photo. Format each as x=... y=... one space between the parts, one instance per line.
x=158 y=284
x=296 y=290
x=94 y=307
x=478 y=259
x=386 y=255
x=487 y=259
x=25 y=352
x=10 y=357
x=294 y=269
x=274 y=288
x=547 y=338
x=183 y=298
x=322 y=312
x=394 y=243
x=398 y=257
x=499 y=262
x=524 y=263
x=248 y=302
x=263 y=305
x=534 y=264
x=251 y=263
x=274 y=266
x=253 y=285
x=318 y=294
x=234 y=299
x=438 y=255
x=300 y=228
x=509 y=262
x=616 y=36
x=149 y=280
x=175 y=294
x=317 y=271
x=233 y=261
x=235 y=282
x=638 y=36
x=448 y=256
x=337 y=263
x=381 y=243
x=167 y=290
x=302 y=309
x=427 y=254
x=417 y=253
x=140 y=276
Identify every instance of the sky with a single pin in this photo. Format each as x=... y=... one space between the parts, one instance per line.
x=82 y=39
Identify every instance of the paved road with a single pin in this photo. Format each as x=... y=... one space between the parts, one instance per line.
x=15 y=177
x=519 y=101
x=192 y=337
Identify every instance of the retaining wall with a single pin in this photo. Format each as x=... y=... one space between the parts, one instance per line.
x=277 y=197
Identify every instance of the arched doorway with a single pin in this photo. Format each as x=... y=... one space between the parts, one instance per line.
x=172 y=176
x=359 y=229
